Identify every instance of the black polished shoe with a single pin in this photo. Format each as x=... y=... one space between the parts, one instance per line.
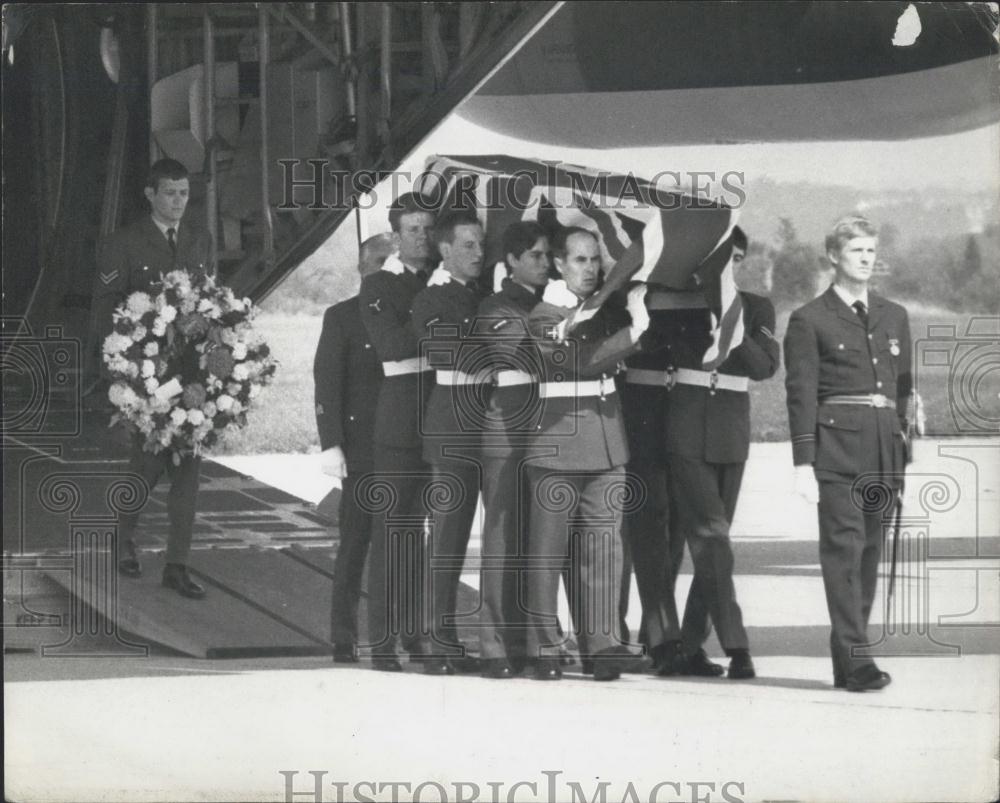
x=129 y=565
x=741 y=666
x=547 y=669
x=668 y=659
x=386 y=665
x=610 y=663
x=496 y=668
x=344 y=653
x=698 y=665
x=175 y=576
x=867 y=678
x=438 y=666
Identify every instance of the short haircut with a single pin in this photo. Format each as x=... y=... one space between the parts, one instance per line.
x=520 y=236
x=740 y=238
x=161 y=169
x=444 y=227
x=563 y=235
x=847 y=228
x=407 y=204
x=374 y=250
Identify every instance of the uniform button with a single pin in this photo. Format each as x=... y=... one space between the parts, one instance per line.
x=350 y=417
x=830 y=421
x=874 y=360
x=878 y=384
x=145 y=267
x=368 y=345
x=840 y=346
x=869 y=337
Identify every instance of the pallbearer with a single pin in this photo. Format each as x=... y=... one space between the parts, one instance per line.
x=511 y=421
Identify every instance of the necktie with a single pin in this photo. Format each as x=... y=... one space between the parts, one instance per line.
x=170 y=239
x=422 y=275
x=859 y=307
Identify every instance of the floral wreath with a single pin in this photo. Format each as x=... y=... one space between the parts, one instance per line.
x=185 y=363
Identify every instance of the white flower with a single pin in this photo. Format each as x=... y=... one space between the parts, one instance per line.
x=165 y=437
x=229 y=337
x=178 y=416
x=210 y=409
x=224 y=402
x=148 y=369
x=159 y=327
x=233 y=388
x=254 y=390
x=240 y=372
x=195 y=417
x=188 y=305
x=237 y=408
x=132 y=370
x=122 y=396
x=116 y=343
x=151 y=385
x=168 y=313
x=240 y=352
x=152 y=349
x=170 y=389
x=139 y=333
x=158 y=405
x=139 y=304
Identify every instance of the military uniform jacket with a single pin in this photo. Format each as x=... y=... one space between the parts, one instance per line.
x=502 y=327
x=135 y=258
x=347 y=376
x=385 y=300
x=708 y=425
x=829 y=352
x=584 y=432
x=442 y=319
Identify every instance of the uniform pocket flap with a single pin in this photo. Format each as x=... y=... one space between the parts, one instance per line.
x=839 y=422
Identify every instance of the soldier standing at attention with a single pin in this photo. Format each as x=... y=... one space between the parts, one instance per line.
x=347 y=377
x=847 y=355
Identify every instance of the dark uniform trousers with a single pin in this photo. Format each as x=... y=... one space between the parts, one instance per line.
x=858 y=453
x=512 y=418
x=578 y=489
x=394 y=492
x=347 y=376
x=443 y=316
x=656 y=556
x=707 y=436
x=133 y=259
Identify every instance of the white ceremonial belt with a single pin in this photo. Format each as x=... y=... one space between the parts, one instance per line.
x=505 y=379
x=454 y=378
x=589 y=387
x=413 y=365
x=712 y=380
x=862 y=400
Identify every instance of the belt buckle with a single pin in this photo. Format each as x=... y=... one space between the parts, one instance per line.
x=879 y=400
x=671 y=378
x=713 y=381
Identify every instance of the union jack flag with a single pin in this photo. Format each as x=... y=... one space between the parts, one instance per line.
x=677 y=242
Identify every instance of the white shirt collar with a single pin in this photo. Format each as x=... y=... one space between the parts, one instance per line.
x=848 y=298
x=163 y=227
